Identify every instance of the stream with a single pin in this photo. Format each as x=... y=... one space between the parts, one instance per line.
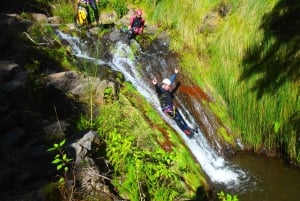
x=251 y=177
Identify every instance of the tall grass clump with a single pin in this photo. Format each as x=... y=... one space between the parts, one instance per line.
x=66 y=10
x=261 y=112
x=182 y=19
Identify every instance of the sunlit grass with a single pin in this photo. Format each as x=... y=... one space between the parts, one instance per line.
x=65 y=11
x=216 y=59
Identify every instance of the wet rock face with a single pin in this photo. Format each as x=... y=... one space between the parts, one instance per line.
x=24 y=161
x=19 y=6
x=35 y=112
x=23 y=156
x=31 y=121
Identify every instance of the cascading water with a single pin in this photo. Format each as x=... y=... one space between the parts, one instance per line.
x=123 y=60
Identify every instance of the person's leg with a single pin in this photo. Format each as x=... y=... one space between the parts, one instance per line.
x=182 y=123
x=88 y=15
x=175 y=114
x=95 y=9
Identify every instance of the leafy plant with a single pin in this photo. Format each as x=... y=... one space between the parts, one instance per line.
x=109 y=94
x=61 y=161
x=227 y=197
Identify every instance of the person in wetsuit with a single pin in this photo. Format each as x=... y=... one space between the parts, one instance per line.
x=166 y=96
x=136 y=24
x=93 y=4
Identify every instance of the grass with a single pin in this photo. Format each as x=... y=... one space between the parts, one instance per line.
x=231 y=61
x=65 y=11
x=255 y=117
x=224 y=60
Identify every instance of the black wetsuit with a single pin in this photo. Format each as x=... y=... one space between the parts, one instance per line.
x=137 y=22
x=166 y=101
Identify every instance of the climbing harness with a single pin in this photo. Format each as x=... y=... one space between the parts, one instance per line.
x=169 y=110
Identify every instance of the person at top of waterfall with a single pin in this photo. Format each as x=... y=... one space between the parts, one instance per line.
x=166 y=96
x=93 y=4
x=137 y=23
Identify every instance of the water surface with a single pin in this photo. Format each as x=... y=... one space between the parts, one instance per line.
x=268 y=179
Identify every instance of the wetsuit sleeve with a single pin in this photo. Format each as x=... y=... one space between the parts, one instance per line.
x=131 y=21
x=157 y=89
x=175 y=88
x=173 y=78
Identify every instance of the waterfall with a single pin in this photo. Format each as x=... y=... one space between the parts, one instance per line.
x=123 y=60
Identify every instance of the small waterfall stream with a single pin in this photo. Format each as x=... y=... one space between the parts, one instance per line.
x=215 y=166
x=249 y=176
x=123 y=60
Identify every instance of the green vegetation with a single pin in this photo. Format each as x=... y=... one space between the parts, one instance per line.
x=227 y=197
x=131 y=129
x=120 y=7
x=65 y=11
x=62 y=163
x=240 y=51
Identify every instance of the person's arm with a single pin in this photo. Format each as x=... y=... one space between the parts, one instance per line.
x=175 y=88
x=157 y=87
x=173 y=77
x=130 y=22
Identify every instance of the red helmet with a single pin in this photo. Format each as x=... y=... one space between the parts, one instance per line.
x=139 y=12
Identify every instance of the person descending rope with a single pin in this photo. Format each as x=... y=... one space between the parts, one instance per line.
x=166 y=96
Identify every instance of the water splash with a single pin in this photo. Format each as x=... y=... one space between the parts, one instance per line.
x=123 y=60
x=78 y=47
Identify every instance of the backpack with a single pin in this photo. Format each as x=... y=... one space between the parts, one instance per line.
x=80 y=18
x=82 y=15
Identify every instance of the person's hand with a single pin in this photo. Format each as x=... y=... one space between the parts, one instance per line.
x=154 y=81
x=140 y=30
x=176 y=70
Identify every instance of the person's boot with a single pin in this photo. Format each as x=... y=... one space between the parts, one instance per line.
x=187 y=132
